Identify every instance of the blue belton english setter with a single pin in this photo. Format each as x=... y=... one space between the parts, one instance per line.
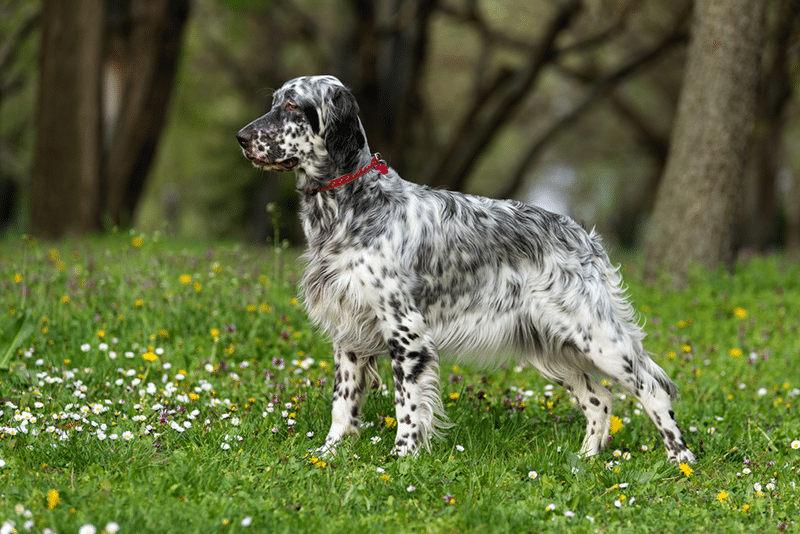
x=398 y=269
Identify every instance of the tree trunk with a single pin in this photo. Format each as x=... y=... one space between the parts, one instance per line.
x=66 y=171
x=147 y=57
x=695 y=214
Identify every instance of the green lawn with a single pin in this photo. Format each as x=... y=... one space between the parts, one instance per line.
x=165 y=387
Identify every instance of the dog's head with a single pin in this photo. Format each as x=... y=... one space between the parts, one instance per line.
x=313 y=127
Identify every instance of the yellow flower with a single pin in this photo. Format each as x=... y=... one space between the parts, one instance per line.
x=391 y=422
x=193 y=396
x=101 y=334
x=17 y=278
x=745 y=508
x=722 y=496
x=685 y=469
x=149 y=356
x=52 y=499
x=214 y=332
x=265 y=308
x=741 y=313
x=137 y=242
x=735 y=352
x=65 y=299
x=385 y=477
x=686 y=348
x=197 y=286
x=185 y=279
x=216 y=268
x=454 y=395
x=616 y=424
x=163 y=333
x=138 y=303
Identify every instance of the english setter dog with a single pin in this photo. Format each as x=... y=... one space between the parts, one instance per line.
x=401 y=269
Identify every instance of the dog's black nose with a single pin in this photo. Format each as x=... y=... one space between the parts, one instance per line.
x=245 y=135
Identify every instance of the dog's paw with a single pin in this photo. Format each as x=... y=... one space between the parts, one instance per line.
x=684 y=456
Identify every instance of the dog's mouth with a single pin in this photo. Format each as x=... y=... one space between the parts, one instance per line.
x=282 y=165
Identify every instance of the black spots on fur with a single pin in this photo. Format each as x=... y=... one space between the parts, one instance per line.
x=422 y=360
x=413 y=407
x=595 y=401
x=352 y=357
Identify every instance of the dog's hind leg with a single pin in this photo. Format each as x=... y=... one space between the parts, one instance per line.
x=352 y=377
x=594 y=400
x=622 y=358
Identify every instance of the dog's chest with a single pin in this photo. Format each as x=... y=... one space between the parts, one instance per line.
x=342 y=287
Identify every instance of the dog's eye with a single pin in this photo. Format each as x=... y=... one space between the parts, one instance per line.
x=290 y=106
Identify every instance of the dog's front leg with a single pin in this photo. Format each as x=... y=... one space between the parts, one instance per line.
x=349 y=391
x=415 y=365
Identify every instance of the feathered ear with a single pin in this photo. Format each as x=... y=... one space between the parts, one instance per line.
x=343 y=137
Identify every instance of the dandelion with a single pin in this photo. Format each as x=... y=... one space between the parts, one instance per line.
x=137 y=242
x=391 y=422
x=735 y=353
x=685 y=469
x=616 y=424
x=722 y=496
x=740 y=313
x=185 y=279
x=149 y=356
x=53 y=498
x=454 y=395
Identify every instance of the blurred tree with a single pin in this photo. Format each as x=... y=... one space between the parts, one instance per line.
x=20 y=19
x=66 y=174
x=439 y=124
x=695 y=211
x=107 y=69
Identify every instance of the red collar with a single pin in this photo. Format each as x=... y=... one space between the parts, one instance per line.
x=376 y=163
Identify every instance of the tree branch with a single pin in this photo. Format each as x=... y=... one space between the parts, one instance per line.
x=462 y=153
x=598 y=90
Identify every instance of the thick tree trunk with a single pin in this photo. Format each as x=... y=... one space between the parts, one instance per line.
x=695 y=214
x=148 y=58
x=66 y=172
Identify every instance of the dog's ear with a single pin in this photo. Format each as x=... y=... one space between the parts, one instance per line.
x=343 y=137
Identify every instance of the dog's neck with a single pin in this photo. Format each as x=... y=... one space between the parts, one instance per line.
x=321 y=212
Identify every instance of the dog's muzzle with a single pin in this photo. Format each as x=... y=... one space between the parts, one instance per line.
x=246 y=136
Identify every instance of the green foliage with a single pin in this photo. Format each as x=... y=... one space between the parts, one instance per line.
x=175 y=384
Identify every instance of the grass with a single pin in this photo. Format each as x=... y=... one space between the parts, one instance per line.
x=154 y=387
